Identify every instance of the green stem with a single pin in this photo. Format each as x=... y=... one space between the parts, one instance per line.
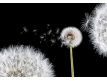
x=71 y=59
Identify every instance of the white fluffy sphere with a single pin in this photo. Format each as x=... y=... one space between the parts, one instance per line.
x=98 y=31
x=24 y=61
x=71 y=36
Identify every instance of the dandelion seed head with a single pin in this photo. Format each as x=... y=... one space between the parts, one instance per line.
x=24 y=61
x=71 y=36
x=98 y=32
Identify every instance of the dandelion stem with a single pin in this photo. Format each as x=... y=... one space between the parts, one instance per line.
x=71 y=59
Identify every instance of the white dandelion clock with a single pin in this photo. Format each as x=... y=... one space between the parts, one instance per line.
x=24 y=61
x=98 y=31
x=72 y=37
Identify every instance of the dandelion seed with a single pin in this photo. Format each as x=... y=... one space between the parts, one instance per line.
x=34 y=30
x=25 y=29
x=41 y=36
x=85 y=22
x=49 y=32
x=53 y=40
x=44 y=34
x=24 y=61
x=57 y=31
x=71 y=37
x=98 y=31
x=48 y=25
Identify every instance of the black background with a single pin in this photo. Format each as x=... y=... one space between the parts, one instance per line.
x=14 y=17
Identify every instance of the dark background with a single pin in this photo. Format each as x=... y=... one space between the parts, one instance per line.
x=43 y=17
